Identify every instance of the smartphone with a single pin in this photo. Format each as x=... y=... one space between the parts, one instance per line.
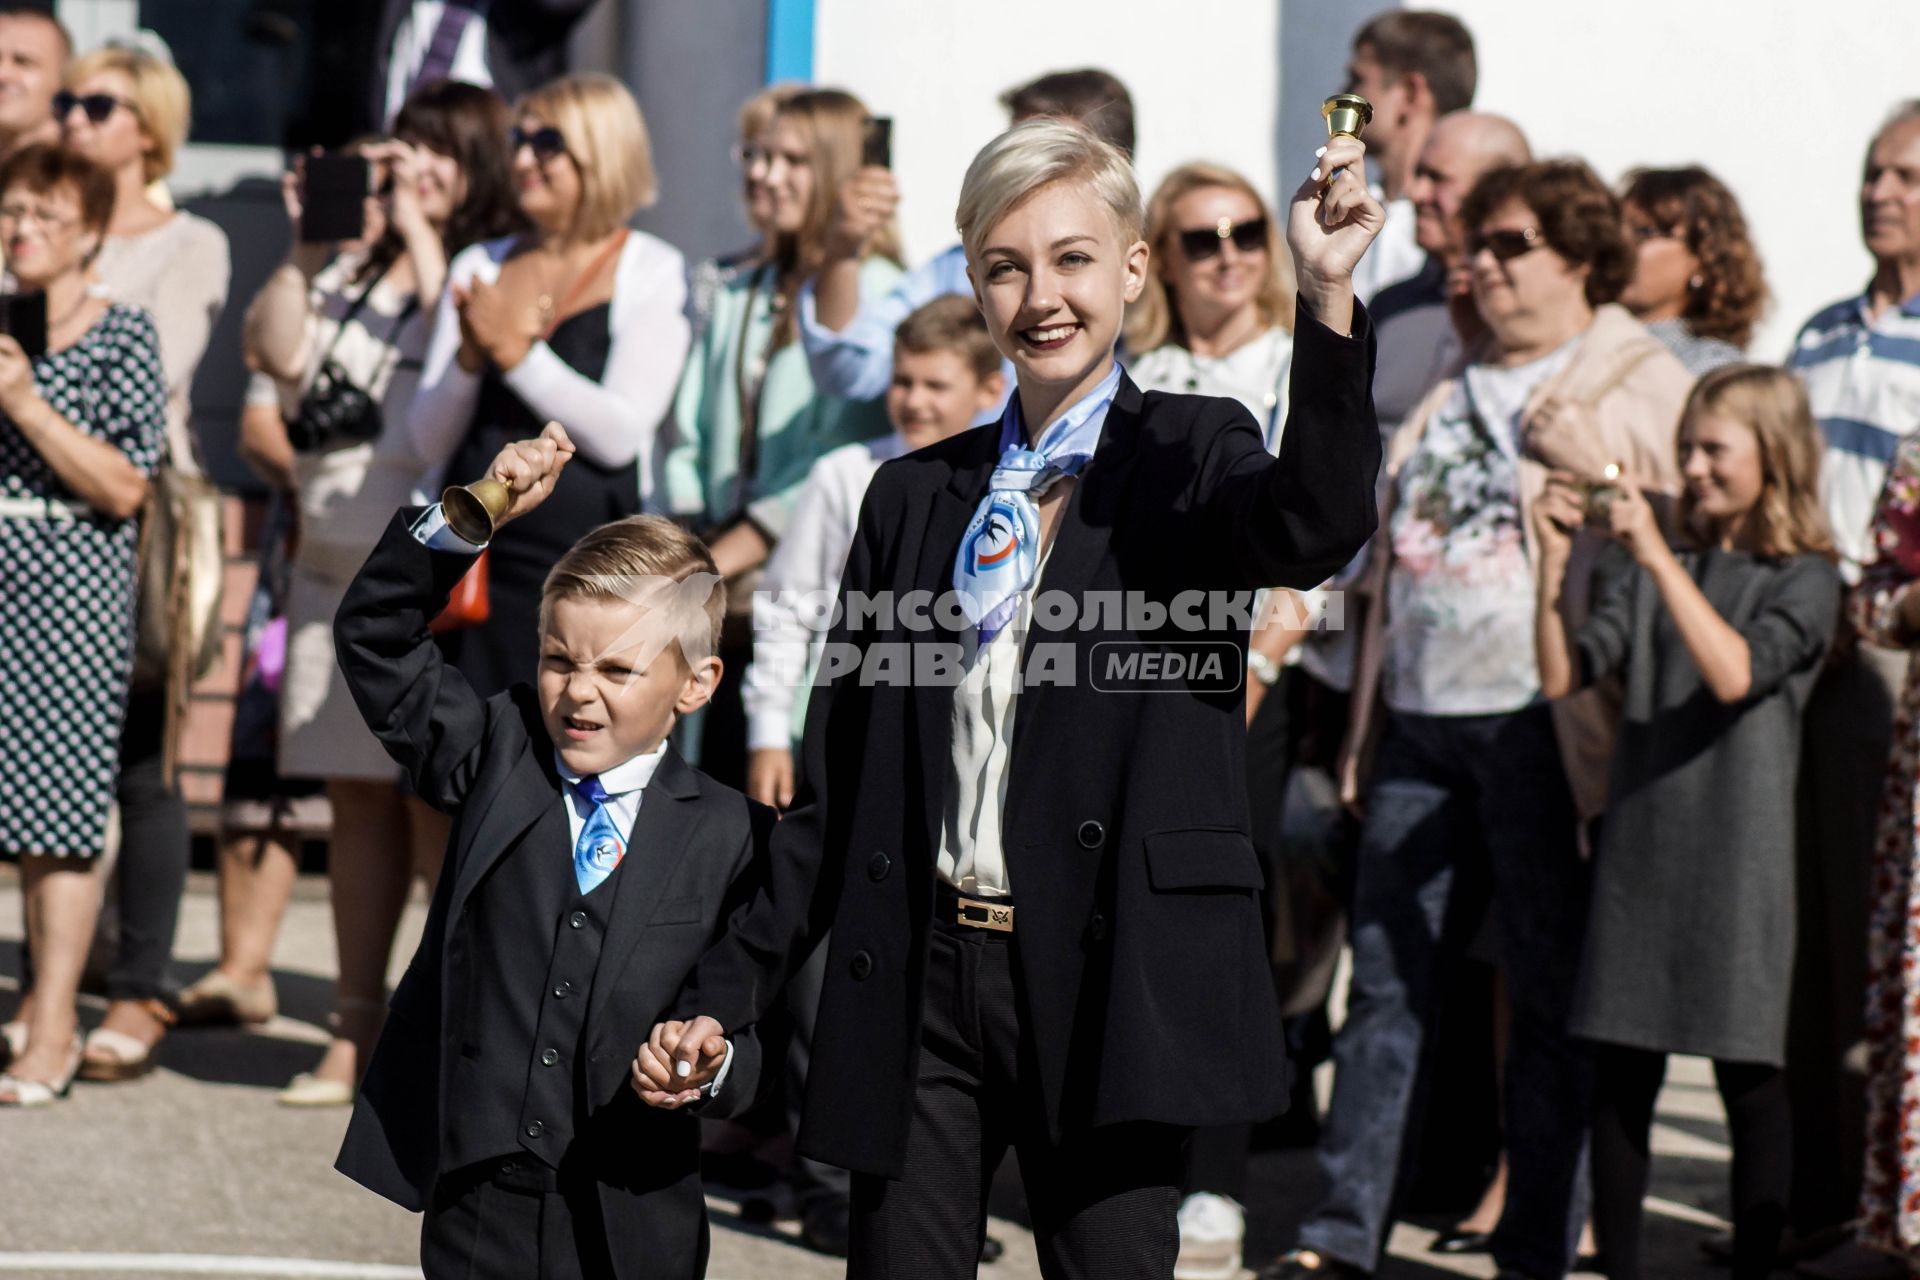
x=876 y=143
x=24 y=317
x=333 y=193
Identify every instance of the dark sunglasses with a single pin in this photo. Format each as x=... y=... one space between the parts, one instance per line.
x=1247 y=237
x=1506 y=244
x=98 y=106
x=547 y=142
x=1641 y=232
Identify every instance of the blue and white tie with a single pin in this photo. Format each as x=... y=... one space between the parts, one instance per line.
x=599 y=849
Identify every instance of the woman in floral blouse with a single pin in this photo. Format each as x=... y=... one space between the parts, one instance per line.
x=1886 y=610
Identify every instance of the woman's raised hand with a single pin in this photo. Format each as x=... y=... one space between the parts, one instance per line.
x=1330 y=224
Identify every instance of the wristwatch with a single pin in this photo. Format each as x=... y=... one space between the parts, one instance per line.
x=1262 y=668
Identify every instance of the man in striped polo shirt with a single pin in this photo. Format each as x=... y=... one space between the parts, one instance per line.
x=1860 y=360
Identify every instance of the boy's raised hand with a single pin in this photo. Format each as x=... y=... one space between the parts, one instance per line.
x=530 y=469
x=700 y=1046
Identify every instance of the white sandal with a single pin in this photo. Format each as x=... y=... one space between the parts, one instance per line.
x=18 y=1092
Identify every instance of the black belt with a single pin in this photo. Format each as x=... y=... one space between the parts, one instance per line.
x=953 y=909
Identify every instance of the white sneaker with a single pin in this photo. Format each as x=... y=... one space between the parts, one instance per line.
x=1213 y=1230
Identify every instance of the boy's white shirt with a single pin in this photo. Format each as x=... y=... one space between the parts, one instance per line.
x=805 y=567
x=625 y=783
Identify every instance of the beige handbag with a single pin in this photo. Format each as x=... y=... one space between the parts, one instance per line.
x=182 y=571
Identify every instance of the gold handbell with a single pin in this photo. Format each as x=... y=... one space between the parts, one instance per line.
x=1346 y=113
x=473 y=510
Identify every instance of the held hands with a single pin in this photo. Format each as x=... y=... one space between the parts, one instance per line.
x=1330 y=226
x=678 y=1061
x=530 y=469
x=864 y=205
x=491 y=327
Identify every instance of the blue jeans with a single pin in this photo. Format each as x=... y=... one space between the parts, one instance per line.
x=1460 y=807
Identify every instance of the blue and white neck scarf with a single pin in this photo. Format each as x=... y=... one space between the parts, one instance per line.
x=999 y=556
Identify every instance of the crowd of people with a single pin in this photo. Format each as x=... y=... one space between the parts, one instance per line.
x=1604 y=747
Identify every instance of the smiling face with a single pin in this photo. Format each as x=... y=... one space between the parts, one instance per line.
x=1053 y=278
x=30 y=58
x=117 y=141
x=549 y=187
x=936 y=394
x=1890 y=193
x=1514 y=294
x=43 y=235
x=1663 y=266
x=610 y=686
x=442 y=186
x=1226 y=281
x=788 y=175
x=1721 y=462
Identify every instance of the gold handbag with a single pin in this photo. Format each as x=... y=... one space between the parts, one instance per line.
x=182 y=573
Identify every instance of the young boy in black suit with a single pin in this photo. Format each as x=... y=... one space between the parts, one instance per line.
x=500 y=1098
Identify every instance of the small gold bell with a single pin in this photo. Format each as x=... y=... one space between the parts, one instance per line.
x=472 y=510
x=1346 y=113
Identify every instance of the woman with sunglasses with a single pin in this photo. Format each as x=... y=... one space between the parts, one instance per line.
x=356 y=316
x=126 y=111
x=577 y=320
x=1696 y=283
x=751 y=423
x=82 y=428
x=1471 y=757
x=1215 y=318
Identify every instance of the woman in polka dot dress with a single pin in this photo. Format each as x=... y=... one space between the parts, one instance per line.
x=81 y=429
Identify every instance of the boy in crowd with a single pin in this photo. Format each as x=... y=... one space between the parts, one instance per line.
x=498 y=1097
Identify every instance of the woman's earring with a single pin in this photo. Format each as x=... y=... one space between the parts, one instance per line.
x=1697 y=281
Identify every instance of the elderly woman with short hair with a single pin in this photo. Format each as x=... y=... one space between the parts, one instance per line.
x=1472 y=757
x=82 y=427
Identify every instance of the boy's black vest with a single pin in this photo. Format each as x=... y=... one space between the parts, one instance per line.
x=518 y=1083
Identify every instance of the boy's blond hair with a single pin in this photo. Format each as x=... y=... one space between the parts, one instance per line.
x=1036 y=154
x=648 y=561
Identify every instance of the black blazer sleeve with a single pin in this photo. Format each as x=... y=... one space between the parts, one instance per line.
x=1295 y=520
x=422 y=710
x=742 y=975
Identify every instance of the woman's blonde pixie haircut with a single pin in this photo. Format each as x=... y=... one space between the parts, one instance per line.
x=607 y=140
x=1036 y=154
x=160 y=95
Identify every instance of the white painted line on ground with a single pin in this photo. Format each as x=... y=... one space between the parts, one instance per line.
x=205 y=1264
x=1686 y=1213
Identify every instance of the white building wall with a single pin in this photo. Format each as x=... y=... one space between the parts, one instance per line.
x=1778 y=97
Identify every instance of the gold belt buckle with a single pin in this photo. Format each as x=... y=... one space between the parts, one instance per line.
x=982 y=915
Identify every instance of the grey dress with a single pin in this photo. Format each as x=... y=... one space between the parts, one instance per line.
x=1690 y=943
